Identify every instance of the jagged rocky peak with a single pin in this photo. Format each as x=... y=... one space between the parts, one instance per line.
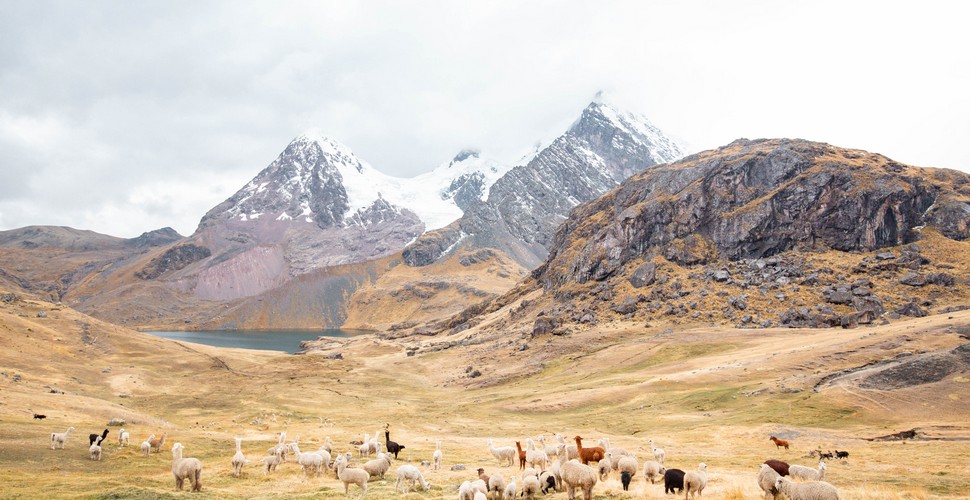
x=465 y=154
x=154 y=238
x=753 y=199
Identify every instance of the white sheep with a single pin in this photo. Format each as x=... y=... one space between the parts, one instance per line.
x=271 y=462
x=812 y=490
x=238 y=460
x=653 y=471
x=571 y=450
x=575 y=476
x=59 y=439
x=378 y=466
x=658 y=453
x=512 y=490
x=530 y=486
x=146 y=445
x=503 y=454
x=312 y=463
x=436 y=457
x=350 y=475
x=95 y=449
x=407 y=475
x=766 y=481
x=186 y=468
x=496 y=486
x=807 y=473
x=695 y=481
x=123 y=437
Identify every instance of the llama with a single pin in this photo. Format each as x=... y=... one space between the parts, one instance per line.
x=587 y=455
x=522 y=455
x=58 y=439
x=186 y=468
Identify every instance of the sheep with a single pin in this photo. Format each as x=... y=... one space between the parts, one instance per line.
x=496 y=487
x=95 y=449
x=512 y=490
x=778 y=466
x=554 y=470
x=658 y=453
x=312 y=463
x=146 y=445
x=808 y=473
x=571 y=451
x=156 y=444
x=530 y=485
x=627 y=464
x=522 y=455
x=436 y=456
x=673 y=480
x=466 y=491
x=766 y=480
x=186 y=468
x=841 y=454
x=392 y=447
x=271 y=462
x=779 y=442
x=238 y=460
x=349 y=475
x=587 y=455
x=548 y=481
x=123 y=437
x=813 y=490
x=625 y=479
x=534 y=457
x=407 y=475
x=695 y=481
x=653 y=471
x=503 y=454
x=59 y=439
x=94 y=437
x=379 y=466
x=576 y=475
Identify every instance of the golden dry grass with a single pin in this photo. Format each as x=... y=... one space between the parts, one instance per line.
x=695 y=391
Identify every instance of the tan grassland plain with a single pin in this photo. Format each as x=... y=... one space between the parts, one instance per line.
x=710 y=395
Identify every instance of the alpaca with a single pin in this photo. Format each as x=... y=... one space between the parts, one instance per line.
x=94 y=437
x=146 y=445
x=271 y=462
x=185 y=468
x=436 y=457
x=779 y=442
x=123 y=437
x=349 y=475
x=238 y=460
x=95 y=449
x=587 y=455
x=392 y=447
x=58 y=439
x=157 y=443
x=522 y=455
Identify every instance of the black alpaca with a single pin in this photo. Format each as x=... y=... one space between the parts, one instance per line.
x=625 y=478
x=841 y=454
x=94 y=437
x=40 y=416
x=392 y=447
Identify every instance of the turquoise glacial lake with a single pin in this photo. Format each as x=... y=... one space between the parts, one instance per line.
x=263 y=340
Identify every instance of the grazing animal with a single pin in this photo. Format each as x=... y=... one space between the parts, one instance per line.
x=547 y=481
x=157 y=443
x=841 y=454
x=522 y=455
x=827 y=456
x=496 y=486
x=695 y=481
x=146 y=445
x=807 y=473
x=483 y=476
x=379 y=466
x=123 y=437
x=673 y=480
x=812 y=490
x=587 y=455
x=779 y=442
x=535 y=458
x=653 y=471
x=625 y=480
x=39 y=416
x=571 y=452
x=238 y=460
x=577 y=476
x=766 y=480
x=466 y=491
x=503 y=454
x=272 y=461
x=92 y=438
x=780 y=467
x=186 y=468
x=349 y=475
x=512 y=490
x=312 y=463
x=436 y=457
x=392 y=447
x=58 y=439
x=95 y=449
x=658 y=453
x=407 y=475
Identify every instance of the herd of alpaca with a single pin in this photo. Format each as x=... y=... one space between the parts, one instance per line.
x=543 y=469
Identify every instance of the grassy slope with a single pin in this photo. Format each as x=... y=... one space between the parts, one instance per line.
x=691 y=390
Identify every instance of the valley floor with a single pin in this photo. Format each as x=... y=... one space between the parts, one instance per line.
x=710 y=395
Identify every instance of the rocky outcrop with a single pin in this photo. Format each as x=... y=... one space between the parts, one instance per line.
x=156 y=238
x=754 y=199
x=175 y=258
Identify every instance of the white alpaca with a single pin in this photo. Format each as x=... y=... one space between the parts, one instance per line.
x=238 y=460
x=186 y=468
x=271 y=462
x=436 y=458
x=408 y=475
x=348 y=475
x=59 y=439
x=279 y=448
x=146 y=446
x=658 y=453
x=95 y=449
x=123 y=437
x=312 y=463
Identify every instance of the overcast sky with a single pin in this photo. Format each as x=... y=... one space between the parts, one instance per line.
x=122 y=117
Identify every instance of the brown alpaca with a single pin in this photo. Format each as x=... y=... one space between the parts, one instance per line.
x=156 y=444
x=587 y=455
x=521 y=456
x=779 y=442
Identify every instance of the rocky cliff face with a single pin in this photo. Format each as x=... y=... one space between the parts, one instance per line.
x=524 y=207
x=754 y=199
